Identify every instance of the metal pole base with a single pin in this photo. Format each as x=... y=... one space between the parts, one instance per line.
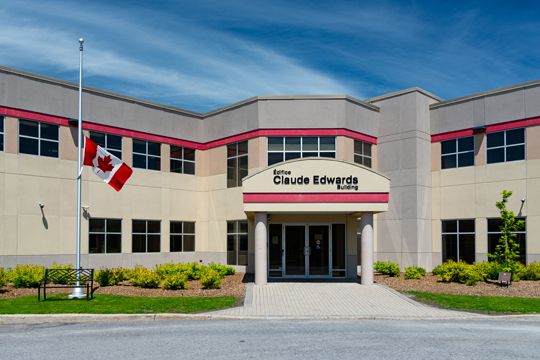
x=78 y=293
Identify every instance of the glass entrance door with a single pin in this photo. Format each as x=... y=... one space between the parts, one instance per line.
x=319 y=245
x=295 y=259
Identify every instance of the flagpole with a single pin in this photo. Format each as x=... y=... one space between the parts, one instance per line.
x=78 y=291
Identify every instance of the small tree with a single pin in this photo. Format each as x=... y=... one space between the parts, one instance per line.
x=507 y=251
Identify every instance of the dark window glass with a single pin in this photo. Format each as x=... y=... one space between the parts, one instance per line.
x=494 y=234
x=139 y=243
x=139 y=226
x=176 y=166
x=154 y=163
x=309 y=154
x=154 y=243
x=242 y=148
x=97 y=225
x=1 y=124
x=231 y=172
x=1 y=142
x=189 y=154
x=309 y=143
x=367 y=149
x=97 y=243
x=448 y=161
x=290 y=155
x=274 y=158
x=139 y=146
x=114 y=225
x=189 y=228
x=176 y=152
x=28 y=146
x=176 y=227
x=275 y=144
x=458 y=240
x=237 y=243
x=329 y=154
x=118 y=154
x=154 y=148
x=105 y=236
x=448 y=146
x=466 y=144
x=293 y=143
x=242 y=169
x=176 y=243
x=189 y=242
x=98 y=138
x=494 y=225
x=243 y=227
x=367 y=162
x=49 y=148
x=114 y=142
x=29 y=128
x=514 y=153
x=189 y=168
x=516 y=136
x=154 y=227
x=495 y=139
x=237 y=165
x=358 y=147
x=466 y=226
x=232 y=150
x=49 y=131
x=495 y=155
x=449 y=226
x=327 y=143
x=466 y=159
x=114 y=242
x=449 y=247
x=139 y=161
x=467 y=251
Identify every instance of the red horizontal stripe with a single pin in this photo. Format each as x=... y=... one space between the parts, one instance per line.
x=316 y=197
x=192 y=144
x=489 y=128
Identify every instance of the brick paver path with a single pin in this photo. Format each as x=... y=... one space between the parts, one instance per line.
x=304 y=299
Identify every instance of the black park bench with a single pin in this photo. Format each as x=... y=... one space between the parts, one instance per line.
x=66 y=278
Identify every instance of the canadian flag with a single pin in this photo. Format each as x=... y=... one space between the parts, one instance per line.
x=108 y=167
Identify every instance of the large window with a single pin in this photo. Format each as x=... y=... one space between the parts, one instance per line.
x=182 y=160
x=237 y=243
x=146 y=155
x=182 y=236
x=37 y=138
x=111 y=143
x=362 y=153
x=506 y=146
x=294 y=147
x=1 y=133
x=237 y=163
x=458 y=240
x=457 y=152
x=146 y=236
x=494 y=234
x=105 y=236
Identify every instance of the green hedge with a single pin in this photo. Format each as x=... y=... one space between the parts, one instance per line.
x=387 y=268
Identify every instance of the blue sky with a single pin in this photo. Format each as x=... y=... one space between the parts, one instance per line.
x=201 y=55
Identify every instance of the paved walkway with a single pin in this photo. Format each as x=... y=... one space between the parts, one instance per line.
x=321 y=300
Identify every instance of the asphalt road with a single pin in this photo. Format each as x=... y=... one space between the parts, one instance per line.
x=249 y=339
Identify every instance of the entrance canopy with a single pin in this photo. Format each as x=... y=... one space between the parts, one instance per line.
x=316 y=185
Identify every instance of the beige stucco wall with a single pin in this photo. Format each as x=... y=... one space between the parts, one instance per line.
x=471 y=193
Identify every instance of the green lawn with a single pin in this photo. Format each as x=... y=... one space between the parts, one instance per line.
x=490 y=304
x=112 y=304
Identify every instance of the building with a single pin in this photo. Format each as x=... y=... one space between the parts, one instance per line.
x=277 y=185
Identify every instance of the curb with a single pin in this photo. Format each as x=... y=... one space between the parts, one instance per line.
x=81 y=318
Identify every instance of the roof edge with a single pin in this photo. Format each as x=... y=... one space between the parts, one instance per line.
x=484 y=93
x=402 y=92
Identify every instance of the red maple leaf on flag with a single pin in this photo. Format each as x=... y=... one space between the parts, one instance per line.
x=104 y=164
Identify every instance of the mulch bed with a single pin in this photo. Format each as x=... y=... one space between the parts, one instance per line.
x=430 y=283
x=233 y=285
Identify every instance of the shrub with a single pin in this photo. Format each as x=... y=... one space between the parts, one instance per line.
x=175 y=281
x=437 y=270
x=129 y=273
x=412 y=273
x=24 y=276
x=533 y=271
x=109 y=277
x=195 y=271
x=421 y=270
x=211 y=279
x=462 y=272
x=387 y=268
x=4 y=277
x=145 y=278
x=222 y=269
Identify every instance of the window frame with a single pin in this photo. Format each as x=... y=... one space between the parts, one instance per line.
x=236 y=167
x=105 y=232
x=524 y=232
x=38 y=138
x=146 y=236
x=301 y=151
x=183 y=160
x=2 y=133
x=112 y=151
x=237 y=235
x=147 y=155
x=524 y=143
x=457 y=152
x=362 y=156
x=457 y=233
x=171 y=234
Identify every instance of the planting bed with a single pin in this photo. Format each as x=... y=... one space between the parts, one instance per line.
x=430 y=283
x=232 y=285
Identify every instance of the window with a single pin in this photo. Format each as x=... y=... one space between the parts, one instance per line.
x=508 y=145
x=146 y=155
x=182 y=160
x=146 y=236
x=237 y=243
x=494 y=234
x=293 y=147
x=1 y=133
x=362 y=153
x=111 y=143
x=37 y=138
x=457 y=152
x=182 y=236
x=358 y=242
x=105 y=236
x=237 y=163
x=458 y=241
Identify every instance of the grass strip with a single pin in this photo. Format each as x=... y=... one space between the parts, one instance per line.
x=490 y=304
x=112 y=304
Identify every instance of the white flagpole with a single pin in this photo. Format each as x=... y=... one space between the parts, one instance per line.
x=78 y=292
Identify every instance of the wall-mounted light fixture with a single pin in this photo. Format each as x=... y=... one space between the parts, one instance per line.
x=85 y=208
x=479 y=130
x=524 y=198
x=73 y=122
x=269 y=217
x=41 y=205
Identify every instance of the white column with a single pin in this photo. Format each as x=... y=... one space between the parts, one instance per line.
x=261 y=257
x=366 y=225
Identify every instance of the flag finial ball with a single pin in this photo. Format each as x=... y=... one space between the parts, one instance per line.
x=81 y=41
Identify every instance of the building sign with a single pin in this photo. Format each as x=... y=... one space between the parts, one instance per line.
x=288 y=177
